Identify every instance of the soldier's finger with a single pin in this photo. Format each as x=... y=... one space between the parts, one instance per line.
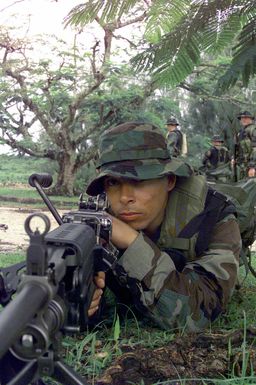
x=92 y=311
x=100 y=279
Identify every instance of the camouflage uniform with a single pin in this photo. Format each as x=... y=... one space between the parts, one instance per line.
x=246 y=145
x=174 y=138
x=216 y=161
x=162 y=275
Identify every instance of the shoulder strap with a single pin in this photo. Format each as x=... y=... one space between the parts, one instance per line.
x=217 y=206
x=249 y=130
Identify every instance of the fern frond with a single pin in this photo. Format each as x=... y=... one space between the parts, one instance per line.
x=107 y=10
x=208 y=27
x=163 y=16
x=243 y=64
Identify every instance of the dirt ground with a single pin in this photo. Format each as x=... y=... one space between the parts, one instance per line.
x=191 y=357
x=13 y=236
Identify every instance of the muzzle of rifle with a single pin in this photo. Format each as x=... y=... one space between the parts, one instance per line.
x=17 y=314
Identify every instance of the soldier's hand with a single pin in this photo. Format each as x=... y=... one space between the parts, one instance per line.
x=251 y=172
x=99 y=281
x=122 y=234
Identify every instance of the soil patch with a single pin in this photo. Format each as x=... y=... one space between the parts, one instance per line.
x=13 y=236
x=192 y=357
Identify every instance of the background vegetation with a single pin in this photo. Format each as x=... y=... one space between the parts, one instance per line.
x=193 y=60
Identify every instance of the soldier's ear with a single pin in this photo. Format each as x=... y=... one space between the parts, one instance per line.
x=171 y=182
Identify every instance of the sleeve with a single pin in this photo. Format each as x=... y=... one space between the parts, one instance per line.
x=193 y=297
x=253 y=139
x=206 y=157
x=172 y=142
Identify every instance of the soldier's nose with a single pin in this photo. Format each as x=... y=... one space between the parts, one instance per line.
x=127 y=193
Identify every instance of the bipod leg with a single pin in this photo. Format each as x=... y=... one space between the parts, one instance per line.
x=25 y=375
x=66 y=375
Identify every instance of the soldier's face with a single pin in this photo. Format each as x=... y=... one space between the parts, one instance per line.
x=251 y=172
x=141 y=204
x=245 y=120
x=217 y=143
x=171 y=127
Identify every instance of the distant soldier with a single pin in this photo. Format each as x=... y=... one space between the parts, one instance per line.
x=246 y=143
x=217 y=155
x=216 y=160
x=175 y=138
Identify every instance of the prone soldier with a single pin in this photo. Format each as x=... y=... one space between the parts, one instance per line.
x=167 y=269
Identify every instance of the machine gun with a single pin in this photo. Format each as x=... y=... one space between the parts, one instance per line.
x=53 y=289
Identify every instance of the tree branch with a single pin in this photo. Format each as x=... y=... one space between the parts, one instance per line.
x=203 y=93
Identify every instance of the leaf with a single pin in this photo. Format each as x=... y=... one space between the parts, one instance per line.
x=243 y=65
x=117 y=329
x=107 y=11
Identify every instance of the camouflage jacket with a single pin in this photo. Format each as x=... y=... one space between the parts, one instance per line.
x=216 y=156
x=190 y=296
x=174 y=142
x=247 y=144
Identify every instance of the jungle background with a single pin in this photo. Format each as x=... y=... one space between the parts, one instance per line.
x=129 y=60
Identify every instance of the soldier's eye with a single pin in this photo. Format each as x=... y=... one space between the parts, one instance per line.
x=110 y=182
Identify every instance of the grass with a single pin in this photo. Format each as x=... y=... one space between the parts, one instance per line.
x=17 y=170
x=29 y=196
x=14 y=187
x=31 y=193
x=92 y=352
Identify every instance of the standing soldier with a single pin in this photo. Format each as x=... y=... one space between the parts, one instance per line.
x=246 y=143
x=175 y=138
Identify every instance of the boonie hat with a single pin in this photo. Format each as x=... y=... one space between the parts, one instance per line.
x=246 y=114
x=172 y=121
x=217 y=138
x=136 y=151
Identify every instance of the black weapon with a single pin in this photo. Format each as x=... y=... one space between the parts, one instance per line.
x=53 y=290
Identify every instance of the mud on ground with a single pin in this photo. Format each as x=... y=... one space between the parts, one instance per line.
x=14 y=237
x=192 y=357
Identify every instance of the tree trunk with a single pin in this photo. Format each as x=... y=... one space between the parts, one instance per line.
x=66 y=175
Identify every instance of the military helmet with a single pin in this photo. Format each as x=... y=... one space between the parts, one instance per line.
x=245 y=114
x=135 y=151
x=172 y=121
x=217 y=138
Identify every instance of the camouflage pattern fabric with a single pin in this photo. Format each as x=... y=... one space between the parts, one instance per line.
x=135 y=151
x=217 y=164
x=216 y=156
x=191 y=296
x=174 y=141
x=246 y=149
x=190 y=299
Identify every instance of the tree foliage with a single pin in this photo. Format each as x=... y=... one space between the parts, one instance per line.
x=180 y=32
x=56 y=108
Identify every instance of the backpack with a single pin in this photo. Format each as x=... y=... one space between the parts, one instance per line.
x=184 y=144
x=222 y=199
x=243 y=195
x=182 y=148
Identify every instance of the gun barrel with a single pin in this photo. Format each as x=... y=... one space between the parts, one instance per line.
x=19 y=312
